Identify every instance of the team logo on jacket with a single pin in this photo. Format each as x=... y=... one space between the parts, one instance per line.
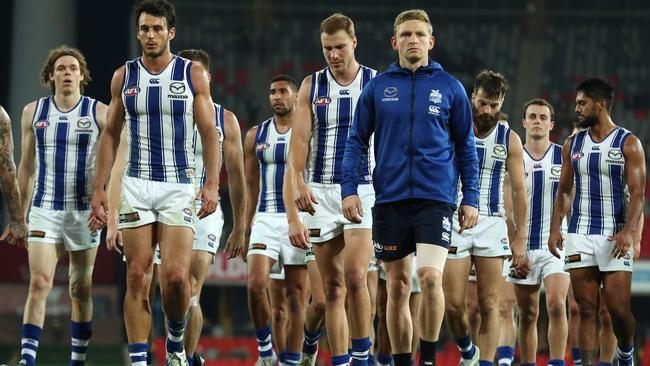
x=322 y=101
x=435 y=96
x=434 y=110
x=132 y=91
x=41 y=124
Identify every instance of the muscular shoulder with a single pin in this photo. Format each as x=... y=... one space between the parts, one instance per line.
x=4 y=117
x=29 y=109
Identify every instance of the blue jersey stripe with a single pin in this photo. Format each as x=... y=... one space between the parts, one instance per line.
x=495 y=187
x=617 y=194
x=155 y=133
x=83 y=141
x=130 y=101
x=179 y=69
x=219 y=113
x=314 y=84
x=366 y=76
x=536 y=211
x=279 y=176
x=262 y=133
x=596 y=202
x=344 y=118
x=576 y=149
x=59 y=165
x=179 y=135
x=321 y=116
x=40 y=138
x=85 y=106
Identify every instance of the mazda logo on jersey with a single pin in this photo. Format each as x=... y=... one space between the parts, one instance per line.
x=322 y=101
x=177 y=87
x=556 y=170
x=390 y=92
x=129 y=92
x=615 y=154
x=84 y=122
x=500 y=151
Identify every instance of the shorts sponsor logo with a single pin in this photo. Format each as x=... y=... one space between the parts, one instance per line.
x=41 y=124
x=187 y=211
x=309 y=251
x=129 y=217
x=258 y=246
x=132 y=91
x=504 y=243
x=322 y=101
x=36 y=234
x=385 y=247
x=573 y=258
x=212 y=237
x=314 y=233
x=446 y=236
x=453 y=250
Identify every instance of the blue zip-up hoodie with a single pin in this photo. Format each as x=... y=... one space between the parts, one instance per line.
x=423 y=137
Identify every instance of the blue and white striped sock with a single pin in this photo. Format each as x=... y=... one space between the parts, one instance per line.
x=138 y=354
x=30 y=336
x=625 y=355
x=505 y=355
x=360 y=350
x=310 y=344
x=175 y=333
x=341 y=360
x=577 y=357
x=81 y=333
x=291 y=358
x=556 y=362
x=264 y=345
x=466 y=347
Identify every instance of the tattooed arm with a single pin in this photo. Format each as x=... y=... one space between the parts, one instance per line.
x=16 y=231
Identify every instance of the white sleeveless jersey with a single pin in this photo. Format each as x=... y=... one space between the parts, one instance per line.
x=160 y=121
x=198 y=145
x=542 y=181
x=271 y=148
x=66 y=145
x=333 y=107
x=492 y=154
x=600 y=202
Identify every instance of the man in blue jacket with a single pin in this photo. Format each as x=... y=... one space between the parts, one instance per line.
x=422 y=125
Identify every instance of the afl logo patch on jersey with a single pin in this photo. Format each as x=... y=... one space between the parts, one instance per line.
x=84 y=122
x=129 y=92
x=262 y=146
x=577 y=156
x=41 y=124
x=322 y=101
x=177 y=87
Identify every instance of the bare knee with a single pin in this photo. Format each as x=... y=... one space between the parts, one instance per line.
x=528 y=316
x=355 y=281
x=488 y=307
x=556 y=309
x=81 y=288
x=430 y=279
x=399 y=290
x=257 y=287
x=279 y=314
x=137 y=281
x=40 y=284
x=587 y=310
x=335 y=291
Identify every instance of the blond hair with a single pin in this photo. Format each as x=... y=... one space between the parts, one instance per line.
x=412 y=14
x=337 y=22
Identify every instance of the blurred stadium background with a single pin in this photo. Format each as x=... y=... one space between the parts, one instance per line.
x=544 y=47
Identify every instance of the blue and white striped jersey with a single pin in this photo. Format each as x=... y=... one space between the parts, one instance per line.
x=600 y=202
x=198 y=145
x=333 y=107
x=271 y=148
x=542 y=181
x=66 y=145
x=160 y=121
x=492 y=154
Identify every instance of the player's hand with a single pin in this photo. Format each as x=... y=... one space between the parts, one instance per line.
x=556 y=243
x=298 y=234
x=622 y=242
x=520 y=260
x=467 y=217
x=305 y=199
x=99 y=207
x=235 y=246
x=94 y=223
x=209 y=197
x=113 y=237
x=353 y=209
x=15 y=233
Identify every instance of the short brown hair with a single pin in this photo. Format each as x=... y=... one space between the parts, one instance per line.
x=198 y=56
x=413 y=14
x=55 y=54
x=337 y=22
x=493 y=83
x=540 y=102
